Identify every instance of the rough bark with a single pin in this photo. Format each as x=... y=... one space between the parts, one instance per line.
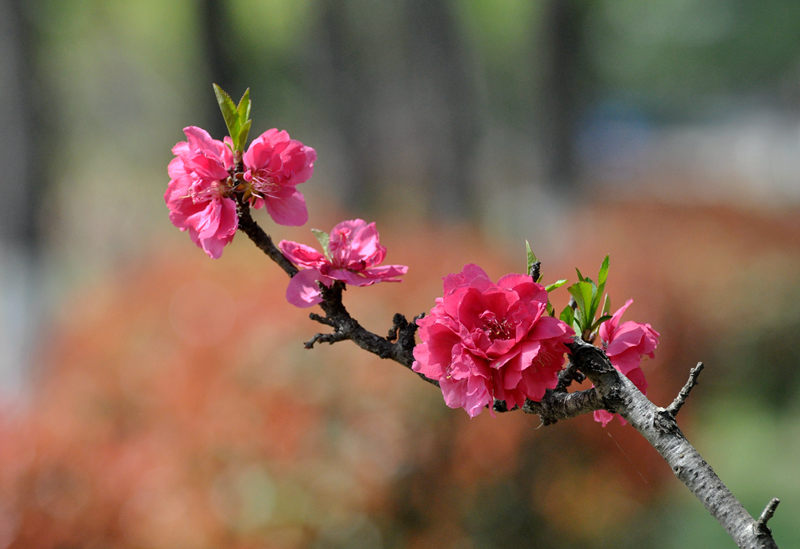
x=659 y=427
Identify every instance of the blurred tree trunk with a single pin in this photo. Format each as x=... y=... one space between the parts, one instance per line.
x=443 y=96
x=26 y=131
x=563 y=90
x=218 y=41
x=344 y=88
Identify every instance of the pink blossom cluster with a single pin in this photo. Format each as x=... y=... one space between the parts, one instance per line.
x=484 y=341
x=352 y=255
x=202 y=179
x=625 y=345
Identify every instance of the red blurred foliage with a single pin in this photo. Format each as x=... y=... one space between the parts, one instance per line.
x=176 y=406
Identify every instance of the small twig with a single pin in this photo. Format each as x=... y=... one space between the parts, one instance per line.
x=321 y=319
x=766 y=514
x=679 y=401
x=325 y=338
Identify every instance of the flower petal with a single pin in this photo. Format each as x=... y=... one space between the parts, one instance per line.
x=288 y=210
x=303 y=290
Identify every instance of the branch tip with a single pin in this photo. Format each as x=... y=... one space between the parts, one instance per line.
x=321 y=319
x=680 y=400
x=767 y=513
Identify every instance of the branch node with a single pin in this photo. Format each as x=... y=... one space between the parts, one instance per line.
x=680 y=400
x=766 y=514
x=399 y=323
x=567 y=376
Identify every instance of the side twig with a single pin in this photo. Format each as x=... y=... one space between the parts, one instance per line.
x=766 y=514
x=679 y=401
x=398 y=347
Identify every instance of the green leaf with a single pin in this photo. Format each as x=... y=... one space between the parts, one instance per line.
x=228 y=109
x=603 y=275
x=582 y=293
x=599 y=321
x=243 y=108
x=237 y=117
x=580 y=276
x=606 y=306
x=567 y=315
x=324 y=240
x=243 y=121
x=241 y=139
x=556 y=284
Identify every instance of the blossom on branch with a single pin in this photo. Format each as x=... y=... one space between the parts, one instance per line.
x=274 y=164
x=625 y=344
x=484 y=341
x=198 y=192
x=351 y=253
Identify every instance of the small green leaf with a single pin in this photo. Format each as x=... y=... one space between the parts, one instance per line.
x=243 y=108
x=243 y=121
x=599 y=321
x=237 y=117
x=582 y=293
x=603 y=275
x=241 y=139
x=228 y=109
x=606 y=306
x=324 y=240
x=580 y=276
x=567 y=315
x=556 y=284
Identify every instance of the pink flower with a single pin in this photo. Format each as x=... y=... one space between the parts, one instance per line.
x=274 y=164
x=484 y=341
x=197 y=194
x=625 y=344
x=352 y=252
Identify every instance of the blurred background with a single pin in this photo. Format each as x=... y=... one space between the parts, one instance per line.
x=154 y=398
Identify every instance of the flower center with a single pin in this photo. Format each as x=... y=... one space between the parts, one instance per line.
x=496 y=328
x=263 y=183
x=209 y=191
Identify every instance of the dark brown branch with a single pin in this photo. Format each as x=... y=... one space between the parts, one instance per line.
x=658 y=426
x=398 y=347
x=261 y=239
x=680 y=400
